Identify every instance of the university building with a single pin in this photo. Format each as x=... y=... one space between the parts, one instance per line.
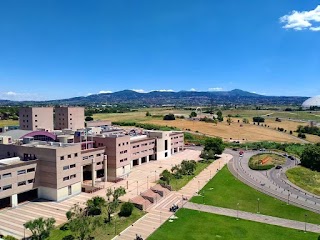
x=56 y=161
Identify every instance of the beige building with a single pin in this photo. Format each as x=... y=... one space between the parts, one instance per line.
x=69 y=118
x=36 y=118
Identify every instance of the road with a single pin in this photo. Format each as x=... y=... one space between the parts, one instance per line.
x=272 y=182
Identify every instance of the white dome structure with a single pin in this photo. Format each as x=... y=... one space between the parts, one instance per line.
x=312 y=102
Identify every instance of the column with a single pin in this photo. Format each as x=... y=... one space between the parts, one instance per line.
x=139 y=161
x=105 y=166
x=147 y=158
x=131 y=164
x=81 y=174
x=93 y=173
x=178 y=149
x=14 y=200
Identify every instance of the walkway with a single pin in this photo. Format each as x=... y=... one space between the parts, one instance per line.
x=159 y=212
x=254 y=217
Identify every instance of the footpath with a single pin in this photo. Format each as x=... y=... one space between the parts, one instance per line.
x=159 y=213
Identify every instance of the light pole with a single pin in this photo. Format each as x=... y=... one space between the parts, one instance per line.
x=258 y=205
x=137 y=188
x=237 y=211
x=305 y=223
x=147 y=182
x=288 y=197
x=198 y=186
x=160 y=217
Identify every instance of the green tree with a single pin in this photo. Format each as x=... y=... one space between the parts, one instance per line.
x=207 y=154
x=229 y=120
x=245 y=120
x=310 y=157
x=148 y=114
x=220 y=117
x=8 y=237
x=95 y=205
x=169 y=116
x=126 y=209
x=214 y=144
x=258 y=119
x=40 y=227
x=166 y=176
x=81 y=224
x=88 y=119
x=114 y=203
x=193 y=114
x=188 y=167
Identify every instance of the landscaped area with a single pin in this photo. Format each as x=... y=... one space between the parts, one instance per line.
x=193 y=224
x=305 y=178
x=224 y=190
x=265 y=161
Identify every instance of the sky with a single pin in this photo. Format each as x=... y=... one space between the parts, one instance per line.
x=60 y=49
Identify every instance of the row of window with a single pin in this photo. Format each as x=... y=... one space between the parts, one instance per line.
x=63 y=114
x=69 y=166
x=125 y=151
x=22 y=183
x=91 y=156
x=126 y=143
x=137 y=153
x=123 y=160
x=69 y=177
x=69 y=156
x=20 y=172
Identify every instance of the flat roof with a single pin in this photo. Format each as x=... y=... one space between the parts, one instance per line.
x=141 y=140
x=10 y=161
x=15 y=134
x=52 y=145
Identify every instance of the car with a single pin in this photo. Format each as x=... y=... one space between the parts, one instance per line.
x=262 y=149
x=278 y=167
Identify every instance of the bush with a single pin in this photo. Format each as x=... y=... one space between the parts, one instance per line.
x=301 y=135
x=126 y=209
x=10 y=238
x=68 y=237
x=88 y=119
x=258 y=119
x=169 y=117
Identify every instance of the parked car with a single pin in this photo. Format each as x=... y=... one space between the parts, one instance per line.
x=278 y=167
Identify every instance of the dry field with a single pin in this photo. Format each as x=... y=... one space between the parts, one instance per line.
x=4 y=123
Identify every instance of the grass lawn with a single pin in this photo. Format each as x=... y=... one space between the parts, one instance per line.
x=224 y=190
x=177 y=184
x=4 y=123
x=271 y=159
x=107 y=231
x=305 y=178
x=192 y=224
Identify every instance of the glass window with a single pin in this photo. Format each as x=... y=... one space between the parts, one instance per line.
x=21 y=172
x=22 y=183
x=31 y=170
x=66 y=167
x=6 y=175
x=7 y=187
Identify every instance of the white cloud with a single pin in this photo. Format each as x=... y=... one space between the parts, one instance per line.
x=105 y=91
x=139 y=90
x=302 y=20
x=16 y=96
x=193 y=90
x=215 y=89
x=164 y=90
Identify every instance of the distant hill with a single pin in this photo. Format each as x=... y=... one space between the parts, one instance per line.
x=158 y=98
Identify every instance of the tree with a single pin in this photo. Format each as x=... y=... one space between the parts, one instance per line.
x=188 y=167
x=215 y=121
x=8 y=237
x=219 y=114
x=193 y=114
x=229 y=120
x=88 y=119
x=81 y=224
x=258 y=119
x=40 y=227
x=169 y=116
x=214 y=144
x=207 y=154
x=95 y=205
x=148 y=114
x=126 y=209
x=166 y=176
x=112 y=205
x=310 y=157
x=245 y=120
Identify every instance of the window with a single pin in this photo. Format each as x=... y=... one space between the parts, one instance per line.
x=22 y=183
x=8 y=154
x=62 y=158
x=69 y=190
x=31 y=170
x=66 y=167
x=6 y=175
x=36 y=115
x=7 y=187
x=99 y=154
x=69 y=156
x=76 y=155
x=36 y=120
x=30 y=181
x=99 y=163
x=72 y=176
x=21 y=172
x=119 y=144
x=36 y=126
x=66 y=178
x=72 y=166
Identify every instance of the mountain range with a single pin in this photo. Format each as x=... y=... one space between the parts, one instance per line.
x=158 y=98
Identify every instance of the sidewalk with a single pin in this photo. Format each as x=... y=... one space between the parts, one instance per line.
x=254 y=217
x=160 y=213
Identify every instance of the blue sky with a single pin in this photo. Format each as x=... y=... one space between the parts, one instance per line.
x=59 y=49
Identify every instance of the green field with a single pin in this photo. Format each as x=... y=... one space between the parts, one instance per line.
x=224 y=190
x=305 y=178
x=192 y=224
x=255 y=161
x=107 y=231
x=177 y=184
x=4 y=123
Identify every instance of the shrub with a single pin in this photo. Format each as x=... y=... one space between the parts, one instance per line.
x=10 y=238
x=258 y=119
x=126 y=209
x=169 y=117
x=301 y=135
x=88 y=119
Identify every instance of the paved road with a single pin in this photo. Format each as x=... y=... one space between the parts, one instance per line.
x=272 y=182
x=254 y=217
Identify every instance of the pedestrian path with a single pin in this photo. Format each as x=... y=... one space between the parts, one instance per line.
x=159 y=212
x=254 y=217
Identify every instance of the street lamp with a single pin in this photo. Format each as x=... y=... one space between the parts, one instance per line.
x=288 y=197
x=147 y=182
x=305 y=223
x=198 y=186
x=237 y=211
x=258 y=205
x=137 y=188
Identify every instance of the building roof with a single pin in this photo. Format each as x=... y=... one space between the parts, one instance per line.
x=312 y=102
x=16 y=134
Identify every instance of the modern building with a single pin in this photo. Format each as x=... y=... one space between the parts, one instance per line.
x=36 y=118
x=311 y=102
x=69 y=118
